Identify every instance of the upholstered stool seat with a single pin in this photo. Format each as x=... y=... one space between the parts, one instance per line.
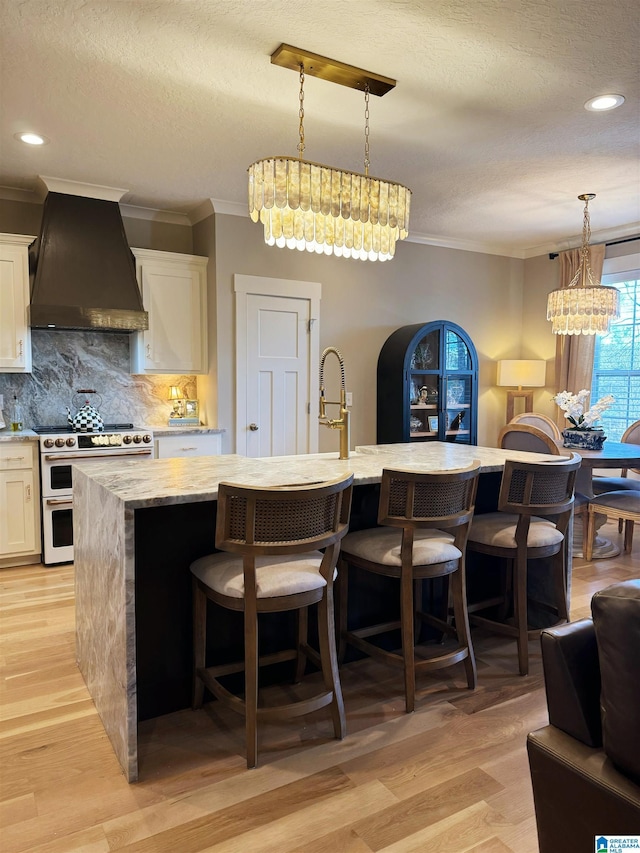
x=498 y=529
x=534 y=509
x=383 y=545
x=278 y=552
x=425 y=519
x=275 y=576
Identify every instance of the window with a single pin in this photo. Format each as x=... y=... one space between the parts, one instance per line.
x=616 y=366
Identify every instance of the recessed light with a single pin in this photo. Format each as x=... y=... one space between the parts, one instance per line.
x=604 y=102
x=30 y=138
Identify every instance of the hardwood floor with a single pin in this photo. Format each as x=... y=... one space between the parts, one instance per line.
x=451 y=777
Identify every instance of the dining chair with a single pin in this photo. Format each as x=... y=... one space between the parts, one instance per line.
x=540 y=421
x=612 y=484
x=521 y=436
x=424 y=521
x=534 y=509
x=623 y=505
x=278 y=549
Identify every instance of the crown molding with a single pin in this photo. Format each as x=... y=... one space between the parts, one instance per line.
x=215 y=205
x=230 y=208
x=607 y=235
x=61 y=185
x=151 y=214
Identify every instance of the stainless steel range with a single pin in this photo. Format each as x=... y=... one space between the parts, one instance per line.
x=60 y=448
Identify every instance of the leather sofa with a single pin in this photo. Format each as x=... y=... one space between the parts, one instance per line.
x=585 y=765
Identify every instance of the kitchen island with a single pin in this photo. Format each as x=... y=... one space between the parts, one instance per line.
x=137 y=527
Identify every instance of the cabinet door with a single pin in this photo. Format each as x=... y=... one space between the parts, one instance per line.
x=174 y=294
x=458 y=389
x=15 y=335
x=17 y=513
x=424 y=389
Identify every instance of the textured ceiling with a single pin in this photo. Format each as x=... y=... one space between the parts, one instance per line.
x=173 y=99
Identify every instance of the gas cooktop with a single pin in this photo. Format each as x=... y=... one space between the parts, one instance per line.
x=45 y=430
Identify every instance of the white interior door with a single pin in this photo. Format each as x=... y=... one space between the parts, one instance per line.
x=277 y=360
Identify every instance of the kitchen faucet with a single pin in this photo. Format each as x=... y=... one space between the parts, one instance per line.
x=341 y=423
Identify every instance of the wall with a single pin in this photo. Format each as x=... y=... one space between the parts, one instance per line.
x=362 y=303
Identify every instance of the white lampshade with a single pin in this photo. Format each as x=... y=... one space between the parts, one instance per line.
x=519 y=373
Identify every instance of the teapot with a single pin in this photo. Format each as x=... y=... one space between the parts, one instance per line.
x=86 y=419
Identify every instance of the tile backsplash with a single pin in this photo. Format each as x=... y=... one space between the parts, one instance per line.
x=64 y=361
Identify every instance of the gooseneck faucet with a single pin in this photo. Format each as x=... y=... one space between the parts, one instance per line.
x=341 y=423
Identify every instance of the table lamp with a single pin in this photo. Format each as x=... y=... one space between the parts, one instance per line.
x=521 y=373
x=176 y=397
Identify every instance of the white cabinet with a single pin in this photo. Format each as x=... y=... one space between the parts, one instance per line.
x=19 y=503
x=188 y=445
x=15 y=334
x=174 y=292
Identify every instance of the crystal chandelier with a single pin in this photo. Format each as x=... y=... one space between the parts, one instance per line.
x=584 y=306
x=305 y=205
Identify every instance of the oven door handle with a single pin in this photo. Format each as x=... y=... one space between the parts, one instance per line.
x=58 y=501
x=62 y=457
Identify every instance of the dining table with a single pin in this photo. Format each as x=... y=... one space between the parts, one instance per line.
x=614 y=454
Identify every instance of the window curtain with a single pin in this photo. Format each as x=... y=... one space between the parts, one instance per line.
x=574 y=353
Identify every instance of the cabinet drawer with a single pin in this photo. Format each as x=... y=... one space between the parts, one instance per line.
x=18 y=454
x=188 y=445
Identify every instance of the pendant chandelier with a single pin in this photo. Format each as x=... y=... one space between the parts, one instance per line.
x=584 y=306
x=309 y=206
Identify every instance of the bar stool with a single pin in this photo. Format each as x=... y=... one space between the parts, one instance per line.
x=534 y=509
x=425 y=518
x=269 y=562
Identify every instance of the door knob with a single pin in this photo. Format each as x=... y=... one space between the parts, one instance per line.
x=253 y=427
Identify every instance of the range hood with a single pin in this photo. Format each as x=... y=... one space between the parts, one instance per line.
x=82 y=270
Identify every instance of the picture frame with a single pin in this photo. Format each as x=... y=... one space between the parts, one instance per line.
x=191 y=409
x=433 y=423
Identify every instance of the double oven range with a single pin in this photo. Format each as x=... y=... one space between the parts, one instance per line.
x=60 y=449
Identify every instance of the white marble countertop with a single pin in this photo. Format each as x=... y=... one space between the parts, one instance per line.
x=200 y=429
x=156 y=482
x=23 y=435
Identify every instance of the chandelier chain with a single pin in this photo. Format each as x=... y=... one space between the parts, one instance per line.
x=583 y=273
x=301 y=113
x=366 y=129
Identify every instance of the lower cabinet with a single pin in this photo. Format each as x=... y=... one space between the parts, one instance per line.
x=188 y=445
x=19 y=504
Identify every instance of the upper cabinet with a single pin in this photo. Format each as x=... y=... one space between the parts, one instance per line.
x=174 y=292
x=428 y=385
x=15 y=334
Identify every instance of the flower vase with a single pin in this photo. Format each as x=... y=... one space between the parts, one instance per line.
x=587 y=439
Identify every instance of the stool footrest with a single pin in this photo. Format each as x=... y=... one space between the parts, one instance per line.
x=291 y=709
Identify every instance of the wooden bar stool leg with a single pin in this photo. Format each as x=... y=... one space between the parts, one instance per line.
x=459 y=596
x=342 y=605
x=199 y=642
x=251 y=681
x=417 y=607
x=329 y=661
x=303 y=634
x=407 y=631
x=520 y=611
x=560 y=585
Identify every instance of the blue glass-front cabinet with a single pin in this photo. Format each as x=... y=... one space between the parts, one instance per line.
x=428 y=385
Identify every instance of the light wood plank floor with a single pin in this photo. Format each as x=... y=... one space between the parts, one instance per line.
x=450 y=778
